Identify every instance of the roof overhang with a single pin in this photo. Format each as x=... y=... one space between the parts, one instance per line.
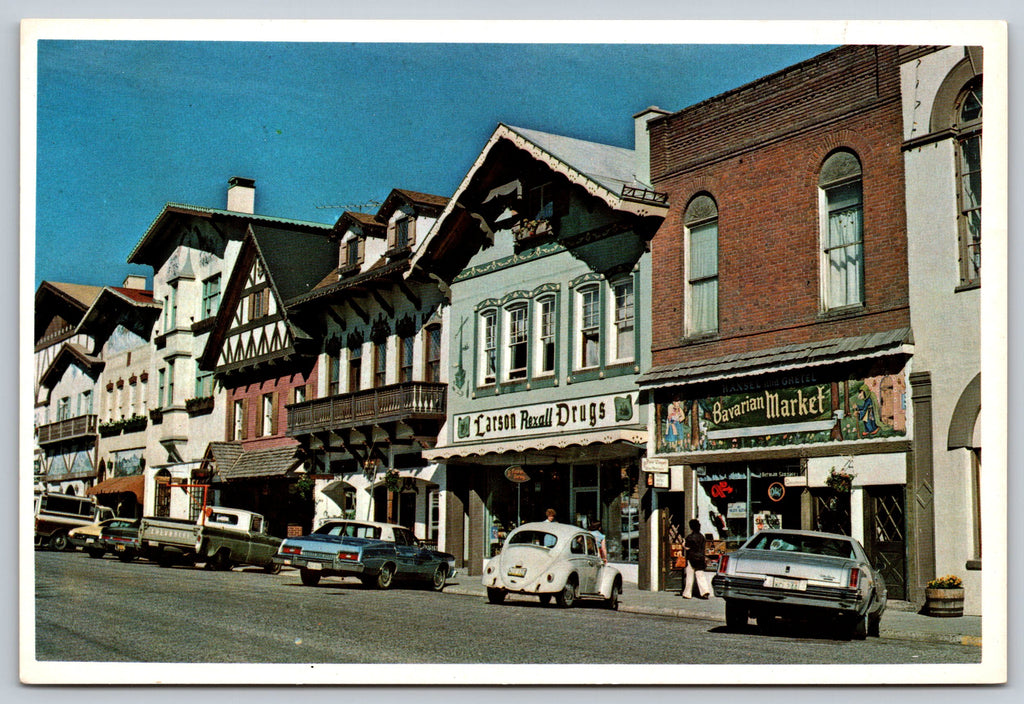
x=70 y=354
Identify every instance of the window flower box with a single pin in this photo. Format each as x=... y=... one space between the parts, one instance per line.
x=199 y=405
x=134 y=424
x=528 y=229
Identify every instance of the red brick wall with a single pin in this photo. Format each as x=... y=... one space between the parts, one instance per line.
x=758 y=151
x=254 y=392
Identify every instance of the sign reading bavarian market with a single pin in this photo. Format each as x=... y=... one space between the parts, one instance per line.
x=838 y=411
x=581 y=414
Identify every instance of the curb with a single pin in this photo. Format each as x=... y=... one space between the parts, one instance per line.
x=944 y=638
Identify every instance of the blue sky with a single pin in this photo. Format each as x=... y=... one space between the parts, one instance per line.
x=127 y=126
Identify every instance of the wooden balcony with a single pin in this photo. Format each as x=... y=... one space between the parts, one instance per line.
x=70 y=429
x=415 y=400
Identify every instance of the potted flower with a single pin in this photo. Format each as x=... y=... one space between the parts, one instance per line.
x=944 y=597
x=839 y=480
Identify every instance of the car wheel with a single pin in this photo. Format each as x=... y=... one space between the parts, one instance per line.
x=735 y=616
x=567 y=597
x=272 y=568
x=859 y=627
x=165 y=558
x=495 y=596
x=220 y=561
x=612 y=602
x=440 y=577
x=545 y=599
x=309 y=578
x=96 y=552
x=126 y=556
x=874 y=625
x=765 y=622
x=59 y=542
x=386 y=576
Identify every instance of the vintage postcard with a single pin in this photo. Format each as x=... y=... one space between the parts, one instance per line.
x=538 y=352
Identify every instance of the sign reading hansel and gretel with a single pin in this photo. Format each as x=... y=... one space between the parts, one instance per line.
x=575 y=415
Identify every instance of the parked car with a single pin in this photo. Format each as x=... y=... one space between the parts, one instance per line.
x=377 y=553
x=120 y=536
x=221 y=538
x=56 y=514
x=802 y=575
x=87 y=537
x=548 y=560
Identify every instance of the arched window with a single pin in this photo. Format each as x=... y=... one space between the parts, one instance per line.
x=967 y=122
x=700 y=224
x=842 y=231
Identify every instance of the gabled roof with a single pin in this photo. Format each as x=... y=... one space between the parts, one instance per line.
x=775 y=359
x=368 y=223
x=147 y=248
x=112 y=306
x=70 y=354
x=251 y=464
x=424 y=203
x=294 y=261
x=69 y=301
x=603 y=171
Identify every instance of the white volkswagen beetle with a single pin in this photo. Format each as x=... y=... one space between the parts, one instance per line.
x=552 y=560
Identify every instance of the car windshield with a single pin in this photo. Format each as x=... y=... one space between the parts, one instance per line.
x=539 y=538
x=810 y=544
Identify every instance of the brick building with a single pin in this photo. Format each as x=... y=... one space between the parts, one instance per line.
x=781 y=325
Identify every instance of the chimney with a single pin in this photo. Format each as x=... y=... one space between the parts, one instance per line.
x=241 y=195
x=642 y=141
x=134 y=281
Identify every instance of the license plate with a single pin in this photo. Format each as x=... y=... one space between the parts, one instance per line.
x=782 y=583
x=119 y=548
x=90 y=541
x=517 y=572
x=314 y=566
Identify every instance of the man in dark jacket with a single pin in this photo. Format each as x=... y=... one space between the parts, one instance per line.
x=695 y=563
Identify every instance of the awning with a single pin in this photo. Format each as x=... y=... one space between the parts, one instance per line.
x=633 y=436
x=134 y=484
x=260 y=464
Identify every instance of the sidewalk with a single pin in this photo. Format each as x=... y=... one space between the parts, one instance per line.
x=900 y=620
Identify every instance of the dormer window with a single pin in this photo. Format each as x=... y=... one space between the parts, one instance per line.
x=353 y=248
x=401 y=233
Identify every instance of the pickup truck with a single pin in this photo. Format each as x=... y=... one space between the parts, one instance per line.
x=376 y=553
x=56 y=514
x=221 y=538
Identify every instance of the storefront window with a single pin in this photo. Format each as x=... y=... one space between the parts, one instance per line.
x=738 y=500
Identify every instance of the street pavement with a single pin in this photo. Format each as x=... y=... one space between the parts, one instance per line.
x=900 y=621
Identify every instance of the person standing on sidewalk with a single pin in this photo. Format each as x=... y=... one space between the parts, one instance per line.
x=602 y=547
x=695 y=562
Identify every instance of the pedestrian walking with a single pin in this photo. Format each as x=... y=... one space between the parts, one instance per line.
x=695 y=562
x=602 y=548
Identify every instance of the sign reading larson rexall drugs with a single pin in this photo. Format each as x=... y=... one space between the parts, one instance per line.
x=576 y=415
x=829 y=410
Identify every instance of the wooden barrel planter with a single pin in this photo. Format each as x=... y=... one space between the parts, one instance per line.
x=944 y=603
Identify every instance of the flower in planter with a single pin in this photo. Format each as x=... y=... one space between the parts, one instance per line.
x=839 y=480
x=950 y=581
x=391 y=480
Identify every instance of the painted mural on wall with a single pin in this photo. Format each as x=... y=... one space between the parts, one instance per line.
x=73 y=463
x=838 y=411
x=126 y=463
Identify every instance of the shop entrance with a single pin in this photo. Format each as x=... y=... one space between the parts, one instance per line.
x=885 y=539
x=673 y=530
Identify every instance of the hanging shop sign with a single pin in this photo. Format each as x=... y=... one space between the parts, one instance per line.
x=654 y=464
x=577 y=415
x=516 y=474
x=839 y=411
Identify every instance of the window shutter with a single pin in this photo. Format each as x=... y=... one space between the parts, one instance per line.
x=310 y=391
x=360 y=256
x=274 y=412
x=230 y=434
x=391 y=233
x=245 y=418
x=412 y=231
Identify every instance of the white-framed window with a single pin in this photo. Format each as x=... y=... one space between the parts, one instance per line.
x=547 y=326
x=161 y=388
x=85 y=403
x=237 y=431
x=171 y=308
x=170 y=382
x=380 y=363
x=267 y=424
x=406 y=353
x=700 y=223
x=299 y=394
x=488 y=347
x=432 y=356
x=968 y=171
x=211 y=296
x=623 y=326
x=333 y=375
x=588 y=332
x=842 y=231
x=518 y=338
x=355 y=368
x=64 y=408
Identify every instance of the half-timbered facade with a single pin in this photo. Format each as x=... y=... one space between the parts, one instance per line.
x=381 y=378
x=263 y=357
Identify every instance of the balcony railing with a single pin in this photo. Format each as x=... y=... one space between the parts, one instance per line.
x=70 y=429
x=413 y=399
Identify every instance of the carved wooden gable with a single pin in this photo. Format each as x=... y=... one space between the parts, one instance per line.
x=258 y=330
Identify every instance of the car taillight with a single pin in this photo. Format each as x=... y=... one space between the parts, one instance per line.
x=291 y=550
x=854 y=577
x=353 y=556
x=723 y=564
